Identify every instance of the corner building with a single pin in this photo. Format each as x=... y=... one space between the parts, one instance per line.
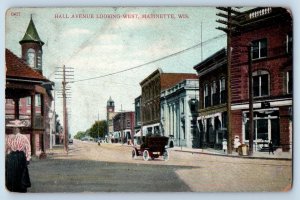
x=269 y=30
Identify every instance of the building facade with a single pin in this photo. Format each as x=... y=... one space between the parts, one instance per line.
x=152 y=86
x=179 y=111
x=269 y=31
x=137 y=110
x=212 y=119
x=123 y=125
x=28 y=93
x=110 y=113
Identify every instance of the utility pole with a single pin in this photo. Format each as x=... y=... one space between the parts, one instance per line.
x=230 y=13
x=250 y=99
x=64 y=95
x=66 y=137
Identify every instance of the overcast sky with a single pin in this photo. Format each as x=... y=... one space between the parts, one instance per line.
x=97 y=46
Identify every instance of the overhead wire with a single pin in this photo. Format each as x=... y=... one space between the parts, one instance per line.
x=153 y=61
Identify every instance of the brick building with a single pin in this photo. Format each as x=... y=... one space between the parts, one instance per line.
x=152 y=86
x=212 y=119
x=28 y=93
x=270 y=32
x=123 y=125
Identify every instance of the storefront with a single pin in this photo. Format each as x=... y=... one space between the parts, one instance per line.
x=266 y=126
x=212 y=128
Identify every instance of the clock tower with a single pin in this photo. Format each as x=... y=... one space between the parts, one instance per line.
x=110 y=113
x=32 y=48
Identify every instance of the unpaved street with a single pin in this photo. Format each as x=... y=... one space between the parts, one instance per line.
x=110 y=168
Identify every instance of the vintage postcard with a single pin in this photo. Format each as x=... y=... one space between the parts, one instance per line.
x=149 y=99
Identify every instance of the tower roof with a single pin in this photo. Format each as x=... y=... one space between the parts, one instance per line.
x=31 y=34
x=110 y=100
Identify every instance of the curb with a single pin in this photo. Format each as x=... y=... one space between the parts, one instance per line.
x=234 y=156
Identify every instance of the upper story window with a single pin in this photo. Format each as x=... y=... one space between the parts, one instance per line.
x=289 y=80
x=289 y=43
x=259 y=49
x=215 y=96
x=207 y=96
x=222 y=90
x=260 y=83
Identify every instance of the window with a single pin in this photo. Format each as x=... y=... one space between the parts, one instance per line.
x=207 y=98
x=28 y=101
x=31 y=58
x=39 y=60
x=259 y=49
x=222 y=90
x=224 y=119
x=289 y=43
x=289 y=80
x=215 y=96
x=260 y=83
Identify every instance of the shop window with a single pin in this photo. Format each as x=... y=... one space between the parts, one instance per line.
x=224 y=119
x=260 y=83
x=259 y=49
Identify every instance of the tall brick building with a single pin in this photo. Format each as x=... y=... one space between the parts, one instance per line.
x=269 y=30
x=152 y=86
x=212 y=119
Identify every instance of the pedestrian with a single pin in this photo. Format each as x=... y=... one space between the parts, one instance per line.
x=271 y=149
x=18 y=155
x=224 y=145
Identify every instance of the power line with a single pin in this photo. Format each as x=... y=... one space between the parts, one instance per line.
x=150 y=62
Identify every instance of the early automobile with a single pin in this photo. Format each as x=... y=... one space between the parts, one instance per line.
x=152 y=147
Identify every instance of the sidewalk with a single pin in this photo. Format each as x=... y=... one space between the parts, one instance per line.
x=278 y=154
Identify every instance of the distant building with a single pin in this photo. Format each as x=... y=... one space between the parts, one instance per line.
x=110 y=113
x=212 y=119
x=270 y=32
x=152 y=86
x=123 y=125
x=179 y=105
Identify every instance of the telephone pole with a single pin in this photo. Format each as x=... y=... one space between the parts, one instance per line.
x=230 y=26
x=250 y=100
x=65 y=75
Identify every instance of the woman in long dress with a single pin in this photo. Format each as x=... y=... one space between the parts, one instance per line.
x=18 y=155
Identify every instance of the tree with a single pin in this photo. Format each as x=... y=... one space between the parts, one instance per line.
x=99 y=128
x=79 y=135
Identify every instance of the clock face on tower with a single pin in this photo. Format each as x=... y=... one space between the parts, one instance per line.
x=110 y=109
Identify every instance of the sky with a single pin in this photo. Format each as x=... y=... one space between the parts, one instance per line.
x=98 y=41
x=89 y=98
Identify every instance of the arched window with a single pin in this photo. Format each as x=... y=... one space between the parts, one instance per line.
x=30 y=58
x=261 y=83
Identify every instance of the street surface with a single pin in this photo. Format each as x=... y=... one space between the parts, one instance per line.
x=109 y=168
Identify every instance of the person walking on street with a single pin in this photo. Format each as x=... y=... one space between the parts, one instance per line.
x=18 y=155
x=271 y=149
